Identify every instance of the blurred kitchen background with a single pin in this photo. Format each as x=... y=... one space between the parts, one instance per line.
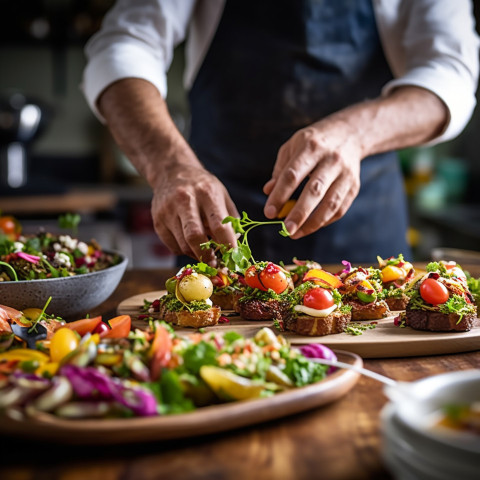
x=55 y=157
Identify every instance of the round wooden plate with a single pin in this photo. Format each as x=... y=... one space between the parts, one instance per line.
x=203 y=421
x=385 y=340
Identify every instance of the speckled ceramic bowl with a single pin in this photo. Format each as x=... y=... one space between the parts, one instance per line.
x=71 y=296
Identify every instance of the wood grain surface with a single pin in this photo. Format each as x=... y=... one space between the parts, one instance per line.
x=385 y=340
x=339 y=441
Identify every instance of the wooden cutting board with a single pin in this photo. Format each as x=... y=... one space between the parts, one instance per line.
x=385 y=340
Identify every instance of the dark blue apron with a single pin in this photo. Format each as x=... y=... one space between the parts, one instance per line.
x=276 y=66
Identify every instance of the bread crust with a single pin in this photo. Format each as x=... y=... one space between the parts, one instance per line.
x=197 y=319
x=368 y=311
x=439 y=322
x=226 y=301
x=255 y=309
x=336 y=322
x=397 y=303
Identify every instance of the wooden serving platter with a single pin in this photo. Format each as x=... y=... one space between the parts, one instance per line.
x=203 y=421
x=385 y=340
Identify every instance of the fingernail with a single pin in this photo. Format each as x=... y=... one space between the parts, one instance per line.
x=291 y=227
x=270 y=211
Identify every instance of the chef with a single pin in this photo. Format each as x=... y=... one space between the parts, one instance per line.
x=305 y=100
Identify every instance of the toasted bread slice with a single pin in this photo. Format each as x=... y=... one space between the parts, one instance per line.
x=255 y=309
x=226 y=301
x=397 y=303
x=336 y=322
x=439 y=322
x=184 y=318
x=368 y=311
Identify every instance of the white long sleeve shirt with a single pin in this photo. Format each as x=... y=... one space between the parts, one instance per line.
x=428 y=43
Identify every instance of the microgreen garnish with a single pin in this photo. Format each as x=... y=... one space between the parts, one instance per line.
x=239 y=258
x=354 y=328
x=42 y=313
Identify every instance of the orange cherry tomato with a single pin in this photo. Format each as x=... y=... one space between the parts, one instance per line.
x=119 y=327
x=273 y=277
x=84 y=326
x=318 y=298
x=433 y=291
x=252 y=278
x=9 y=225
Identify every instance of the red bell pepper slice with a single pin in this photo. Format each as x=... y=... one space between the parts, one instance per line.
x=85 y=325
x=161 y=351
x=119 y=327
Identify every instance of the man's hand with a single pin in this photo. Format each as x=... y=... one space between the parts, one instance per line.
x=188 y=208
x=189 y=203
x=327 y=155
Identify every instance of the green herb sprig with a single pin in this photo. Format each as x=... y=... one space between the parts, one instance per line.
x=239 y=258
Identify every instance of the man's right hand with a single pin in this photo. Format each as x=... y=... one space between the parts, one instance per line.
x=189 y=203
x=187 y=210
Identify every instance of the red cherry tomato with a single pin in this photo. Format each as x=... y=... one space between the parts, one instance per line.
x=433 y=291
x=119 y=327
x=318 y=298
x=252 y=278
x=273 y=277
x=102 y=329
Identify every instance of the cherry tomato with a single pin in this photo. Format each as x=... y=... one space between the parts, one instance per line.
x=9 y=225
x=85 y=325
x=273 y=277
x=102 y=329
x=433 y=291
x=318 y=298
x=252 y=278
x=62 y=343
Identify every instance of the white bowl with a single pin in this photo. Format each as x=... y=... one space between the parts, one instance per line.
x=71 y=296
x=412 y=448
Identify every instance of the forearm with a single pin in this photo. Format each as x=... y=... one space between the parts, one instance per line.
x=140 y=123
x=409 y=116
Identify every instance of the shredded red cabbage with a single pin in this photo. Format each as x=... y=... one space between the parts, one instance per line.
x=89 y=383
x=317 y=350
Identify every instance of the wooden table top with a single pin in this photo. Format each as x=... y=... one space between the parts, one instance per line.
x=338 y=441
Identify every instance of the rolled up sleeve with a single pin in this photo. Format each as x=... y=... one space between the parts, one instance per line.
x=441 y=54
x=136 y=40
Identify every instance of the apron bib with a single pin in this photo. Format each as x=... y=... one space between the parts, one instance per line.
x=277 y=66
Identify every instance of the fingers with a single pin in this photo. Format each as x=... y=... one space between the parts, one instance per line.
x=333 y=206
x=327 y=173
x=191 y=214
x=295 y=161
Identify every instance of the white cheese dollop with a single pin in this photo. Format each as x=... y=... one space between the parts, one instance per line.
x=313 y=312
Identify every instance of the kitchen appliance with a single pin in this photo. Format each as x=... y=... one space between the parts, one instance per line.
x=22 y=120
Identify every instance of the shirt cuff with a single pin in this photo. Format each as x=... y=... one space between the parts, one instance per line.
x=459 y=99
x=115 y=63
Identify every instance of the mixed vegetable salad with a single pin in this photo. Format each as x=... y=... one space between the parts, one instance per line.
x=47 y=255
x=86 y=369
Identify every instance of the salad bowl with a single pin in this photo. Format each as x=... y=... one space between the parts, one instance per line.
x=71 y=296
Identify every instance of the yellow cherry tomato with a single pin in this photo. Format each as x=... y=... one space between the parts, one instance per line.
x=391 y=273
x=32 y=313
x=62 y=343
